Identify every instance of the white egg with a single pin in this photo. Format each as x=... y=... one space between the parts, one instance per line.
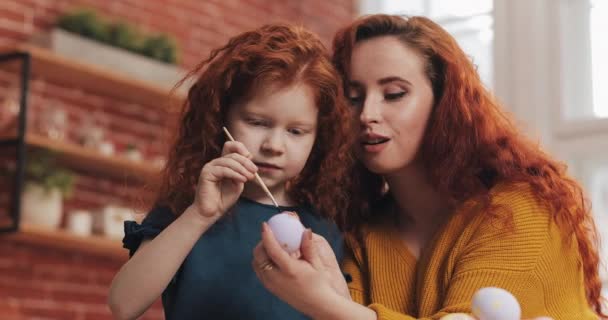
x=287 y=229
x=495 y=304
x=457 y=316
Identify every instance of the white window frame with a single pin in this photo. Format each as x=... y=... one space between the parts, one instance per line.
x=542 y=75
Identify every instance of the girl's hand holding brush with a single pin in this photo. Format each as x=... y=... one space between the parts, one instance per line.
x=222 y=180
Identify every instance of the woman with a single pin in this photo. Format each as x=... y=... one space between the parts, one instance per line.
x=456 y=198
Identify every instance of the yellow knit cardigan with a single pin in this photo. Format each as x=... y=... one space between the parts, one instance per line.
x=525 y=254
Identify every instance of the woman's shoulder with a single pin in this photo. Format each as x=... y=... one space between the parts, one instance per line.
x=510 y=190
x=514 y=213
x=518 y=200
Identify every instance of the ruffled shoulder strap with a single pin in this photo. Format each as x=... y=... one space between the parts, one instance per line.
x=152 y=225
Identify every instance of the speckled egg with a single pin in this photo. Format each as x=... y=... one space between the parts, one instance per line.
x=287 y=229
x=495 y=304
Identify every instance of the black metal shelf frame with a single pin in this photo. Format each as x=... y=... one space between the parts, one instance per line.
x=19 y=141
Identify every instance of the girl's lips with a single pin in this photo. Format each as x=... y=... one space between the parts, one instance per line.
x=266 y=166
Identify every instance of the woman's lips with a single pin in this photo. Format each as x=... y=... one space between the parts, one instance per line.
x=373 y=142
x=374 y=146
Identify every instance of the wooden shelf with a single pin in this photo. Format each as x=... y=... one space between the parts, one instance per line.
x=89 y=160
x=92 y=78
x=63 y=240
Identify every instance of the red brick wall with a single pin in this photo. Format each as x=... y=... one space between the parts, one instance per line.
x=197 y=25
x=39 y=282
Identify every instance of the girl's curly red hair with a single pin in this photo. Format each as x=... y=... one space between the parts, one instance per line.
x=272 y=55
x=470 y=144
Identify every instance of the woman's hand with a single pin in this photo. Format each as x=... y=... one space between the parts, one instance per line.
x=222 y=180
x=462 y=316
x=307 y=283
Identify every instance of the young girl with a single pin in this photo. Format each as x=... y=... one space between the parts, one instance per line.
x=278 y=94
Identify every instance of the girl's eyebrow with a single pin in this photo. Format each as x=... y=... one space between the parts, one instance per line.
x=253 y=114
x=304 y=124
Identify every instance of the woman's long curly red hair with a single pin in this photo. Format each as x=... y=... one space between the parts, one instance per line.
x=273 y=55
x=470 y=144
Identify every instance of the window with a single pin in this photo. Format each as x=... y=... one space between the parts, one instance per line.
x=599 y=55
x=584 y=50
x=469 y=21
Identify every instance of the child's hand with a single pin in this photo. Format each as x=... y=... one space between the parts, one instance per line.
x=222 y=180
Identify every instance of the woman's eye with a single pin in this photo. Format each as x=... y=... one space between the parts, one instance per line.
x=394 y=96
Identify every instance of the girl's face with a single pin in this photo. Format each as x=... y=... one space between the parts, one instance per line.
x=278 y=126
x=394 y=99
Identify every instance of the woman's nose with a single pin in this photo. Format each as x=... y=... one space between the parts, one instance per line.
x=370 y=112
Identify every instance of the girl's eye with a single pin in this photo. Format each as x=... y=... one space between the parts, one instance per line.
x=296 y=131
x=256 y=122
x=394 y=96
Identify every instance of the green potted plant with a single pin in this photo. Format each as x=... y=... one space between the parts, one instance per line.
x=86 y=23
x=86 y=36
x=46 y=184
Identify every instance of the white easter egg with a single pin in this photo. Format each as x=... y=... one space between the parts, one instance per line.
x=495 y=304
x=287 y=229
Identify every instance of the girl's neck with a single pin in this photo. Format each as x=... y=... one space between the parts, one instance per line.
x=416 y=199
x=253 y=191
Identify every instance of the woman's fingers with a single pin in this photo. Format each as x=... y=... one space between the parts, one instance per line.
x=464 y=316
x=325 y=252
x=259 y=255
x=274 y=250
x=457 y=316
x=310 y=250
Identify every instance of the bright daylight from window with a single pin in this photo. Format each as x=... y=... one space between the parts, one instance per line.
x=599 y=52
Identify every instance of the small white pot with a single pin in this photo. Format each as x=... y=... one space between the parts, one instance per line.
x=41 y=207
x=80 y=222
x=110 y=221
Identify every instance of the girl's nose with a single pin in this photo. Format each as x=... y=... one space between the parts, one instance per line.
x=274 y=143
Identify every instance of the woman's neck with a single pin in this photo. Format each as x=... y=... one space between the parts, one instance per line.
x=416 y=199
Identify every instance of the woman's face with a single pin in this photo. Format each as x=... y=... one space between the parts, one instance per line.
x=394 y=99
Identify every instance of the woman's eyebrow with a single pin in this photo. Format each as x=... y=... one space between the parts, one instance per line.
x=392 y=79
